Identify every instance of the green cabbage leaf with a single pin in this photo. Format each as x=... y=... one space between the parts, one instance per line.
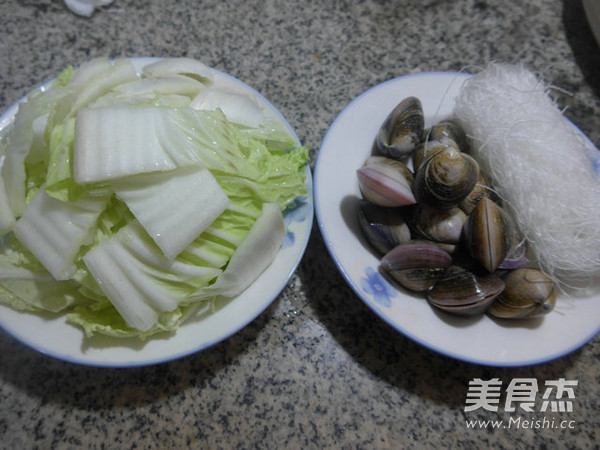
x=93 y=166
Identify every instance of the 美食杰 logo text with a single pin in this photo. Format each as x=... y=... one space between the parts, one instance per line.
x=545 y=407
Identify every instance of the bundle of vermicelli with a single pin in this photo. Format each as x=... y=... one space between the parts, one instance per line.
x=540 y=166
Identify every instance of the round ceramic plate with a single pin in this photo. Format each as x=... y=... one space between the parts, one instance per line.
x=56 y=338
x=480 y=339
x=592 y=12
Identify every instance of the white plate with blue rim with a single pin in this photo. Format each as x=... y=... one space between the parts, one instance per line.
x=55 y=337
x=479 y=340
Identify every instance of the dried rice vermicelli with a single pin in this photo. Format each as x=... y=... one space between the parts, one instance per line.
x=540 y=166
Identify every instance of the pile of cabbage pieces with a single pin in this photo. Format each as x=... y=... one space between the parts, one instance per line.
x=130 y=196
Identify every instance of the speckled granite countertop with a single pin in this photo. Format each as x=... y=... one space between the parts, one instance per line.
x=317 y=369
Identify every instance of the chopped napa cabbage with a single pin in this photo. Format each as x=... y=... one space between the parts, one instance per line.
x=139 y=280
x=38 y=143
x=7 y=218
x=54 y=230
x=88 y=72
x=22 y=136
x=150 y=88
x=238 y=108
x=179 y=66
x=104 y=319
x=42 y=294
x=83 y=226
x=59 y=180
x=25 y=285
x=121 y=141
x=168 y=100
x=50 y=106
x=128 y=140
x=280 y=181
x=212 y=249
x=272 y=133
x=87 y=87
x=252 y=257
x=156 y=201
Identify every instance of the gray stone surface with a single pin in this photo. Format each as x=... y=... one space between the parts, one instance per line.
x=317 y=369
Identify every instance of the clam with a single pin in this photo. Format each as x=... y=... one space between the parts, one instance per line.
x=416 y=265
x=451 y=129
x=402 y=167
x=429 y=148
x=402 y=129
x=529 y=293
x=489 y=234
x=440 y=225
x=517 y=255
x=462 y=292
x=384 y=228
x=483 y=188
x=446 y=178
x=386 y=182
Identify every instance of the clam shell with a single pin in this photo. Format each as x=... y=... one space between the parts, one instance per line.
x=430 y=147
x=384 y=228
x=462 y=292
x=402 y=167
x=483 y=188
x=386 y=183
x=446 y=178
x=529 y=293
x=489 y=234
x=517 y=255
x=402 y=129
x=416 y=265
x=451 y=129
x=440 y=225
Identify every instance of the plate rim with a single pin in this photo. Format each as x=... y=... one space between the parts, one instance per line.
x=356 y=288
x=301 y=245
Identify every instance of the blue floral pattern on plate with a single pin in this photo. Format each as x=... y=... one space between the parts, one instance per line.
x=374 y=284
x=297 y=211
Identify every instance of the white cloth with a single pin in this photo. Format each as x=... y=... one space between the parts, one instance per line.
x=85 y=7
